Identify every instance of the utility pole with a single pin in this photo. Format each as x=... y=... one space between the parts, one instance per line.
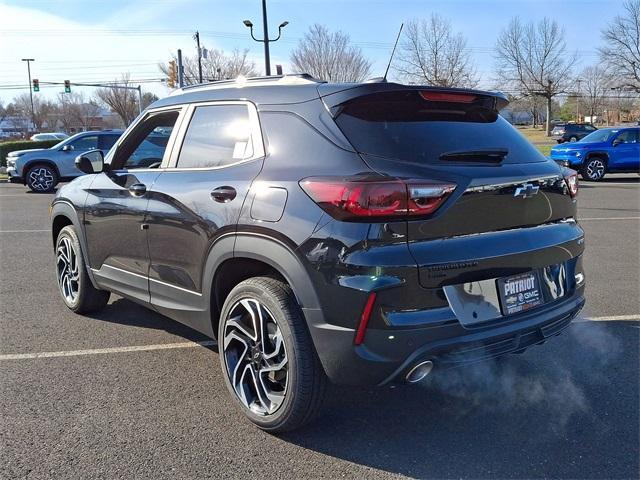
x=180 y=70
x=139 y=88
x=33 y=113
x=265 y=36
x=197 y=39
x=578 y=103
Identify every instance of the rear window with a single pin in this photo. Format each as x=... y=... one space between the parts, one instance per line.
x=413 y=126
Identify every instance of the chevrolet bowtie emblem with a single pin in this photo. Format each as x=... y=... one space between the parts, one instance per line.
x=526 y=190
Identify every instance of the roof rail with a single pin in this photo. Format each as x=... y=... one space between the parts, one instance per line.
x=290 y=79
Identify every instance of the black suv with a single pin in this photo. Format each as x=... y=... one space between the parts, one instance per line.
x=362 y=233
x=571 y=132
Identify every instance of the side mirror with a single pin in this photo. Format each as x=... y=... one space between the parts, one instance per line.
x=90 y=162
x=616 y=142
x=67 y=148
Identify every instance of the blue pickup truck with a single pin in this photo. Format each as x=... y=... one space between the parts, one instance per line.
x=608 y=150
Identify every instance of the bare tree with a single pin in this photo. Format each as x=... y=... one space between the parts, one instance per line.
x=148 y=98
x=43 y=109
x=432 y=53
x=621 y=50
x=532 y=60
x=75 y=112
x=215 y=66
x=596 y=82
x=123 y=102
x=329 y=56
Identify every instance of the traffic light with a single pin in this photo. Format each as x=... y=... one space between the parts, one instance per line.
x=67 y=86
x=36 y=85
x=173 y=74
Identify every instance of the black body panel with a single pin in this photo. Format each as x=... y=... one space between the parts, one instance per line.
x=176 y=246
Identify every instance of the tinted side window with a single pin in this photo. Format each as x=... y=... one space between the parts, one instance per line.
x=85 y=143
x=137 y=150
x=628 y=136
x=105 y=142
x=217 y=135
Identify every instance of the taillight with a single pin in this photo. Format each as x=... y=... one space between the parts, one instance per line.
x=571 y=179
x=358 y=200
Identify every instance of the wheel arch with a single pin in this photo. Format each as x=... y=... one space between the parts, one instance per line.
x=255 y=255
x=597 y=153
x=64 y=214
x=34 y=162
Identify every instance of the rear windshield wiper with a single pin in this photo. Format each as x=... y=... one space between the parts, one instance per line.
x=476 y=156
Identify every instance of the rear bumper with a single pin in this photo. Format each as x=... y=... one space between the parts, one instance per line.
x=387 y=355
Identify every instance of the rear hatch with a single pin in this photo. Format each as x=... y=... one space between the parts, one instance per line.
x=456 y=137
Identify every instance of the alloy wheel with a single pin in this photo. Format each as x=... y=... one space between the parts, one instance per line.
x=68 y=270
x=41 y=179
x=255 y=357
x=595 y=169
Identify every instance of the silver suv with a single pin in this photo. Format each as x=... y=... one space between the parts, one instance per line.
x=41 y=169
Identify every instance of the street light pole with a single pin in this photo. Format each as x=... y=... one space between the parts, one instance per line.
x=265 y=29
x=33 y=114
x=265 y=37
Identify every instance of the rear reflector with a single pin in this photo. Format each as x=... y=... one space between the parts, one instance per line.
x=447 y=97
x=376 y=200
x=364 y=319
x=571 y=179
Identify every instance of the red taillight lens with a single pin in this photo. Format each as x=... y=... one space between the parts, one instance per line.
x=571 y=179
x=364 y=319
x=355 y=200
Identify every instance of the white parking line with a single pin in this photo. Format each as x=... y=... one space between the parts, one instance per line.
x=607 y=218
x=98 y=351
x=615 y=318
x=24 y=231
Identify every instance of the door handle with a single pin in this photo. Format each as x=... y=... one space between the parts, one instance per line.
x=224 y=194
x=138 y=189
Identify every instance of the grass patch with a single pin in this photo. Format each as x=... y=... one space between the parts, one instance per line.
x=3 y=176
x=544 y=149
x=539 y=138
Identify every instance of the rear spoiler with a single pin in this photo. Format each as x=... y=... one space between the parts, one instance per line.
x=334 y=94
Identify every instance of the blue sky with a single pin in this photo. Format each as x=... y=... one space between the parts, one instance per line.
x=93 y=40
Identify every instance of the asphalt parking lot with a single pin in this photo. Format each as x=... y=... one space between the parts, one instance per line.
x=567 y=409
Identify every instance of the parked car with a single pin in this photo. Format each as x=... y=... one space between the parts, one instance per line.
x=614 y=150
x=49 y=136
x=42 y=169
x=359 y=233
x=571 y=132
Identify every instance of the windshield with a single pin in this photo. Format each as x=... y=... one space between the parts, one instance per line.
x=598 y=136
x=408 y=127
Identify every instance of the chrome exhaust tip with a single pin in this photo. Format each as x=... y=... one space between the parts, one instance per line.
x=419 y=371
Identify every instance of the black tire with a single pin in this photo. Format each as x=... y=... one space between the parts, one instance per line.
x=594 y=169
x=305 y=379
x=573 y=139
x=42 y=178
x=87 y=298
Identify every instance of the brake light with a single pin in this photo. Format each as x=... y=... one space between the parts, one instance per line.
x=447 y=97
x=358 y=200
x=571 y=179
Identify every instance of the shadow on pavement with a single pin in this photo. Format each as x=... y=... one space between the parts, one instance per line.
x=567 y=409
x=125 y=312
